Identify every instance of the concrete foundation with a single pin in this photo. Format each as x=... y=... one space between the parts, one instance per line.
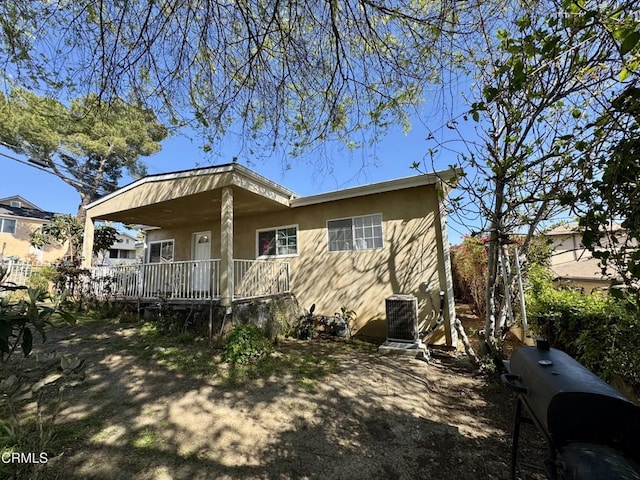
x=414 y=349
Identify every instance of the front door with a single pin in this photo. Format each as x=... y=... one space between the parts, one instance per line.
x=201 y=269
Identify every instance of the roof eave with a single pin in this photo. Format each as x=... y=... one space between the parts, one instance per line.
x=218 y=169
x=380 y=187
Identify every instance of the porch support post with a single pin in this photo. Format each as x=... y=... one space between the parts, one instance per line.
x=444 y=271
x=226 y=247
x=87 y=242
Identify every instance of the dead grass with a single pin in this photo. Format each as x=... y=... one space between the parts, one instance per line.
x=153 y=407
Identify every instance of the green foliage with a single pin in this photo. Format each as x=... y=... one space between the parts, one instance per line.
x=104 y=236
x=295 y=72
x=606 y=201
x=469 y=270
x=42 y=277
x=246 y=343
x=601 y=332
x=88 y=144
x=20 y=319
x=70 y=279
x=63 y=229
x=68 y=230
x=539 y=79
x=539 y=251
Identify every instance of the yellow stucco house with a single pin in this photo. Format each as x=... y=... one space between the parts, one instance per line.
x=18 y=218
x=223 y=233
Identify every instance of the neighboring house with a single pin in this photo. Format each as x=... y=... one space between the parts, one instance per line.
x=126 y=250
x=18 y=218
x=226 y=233
x=571 y=263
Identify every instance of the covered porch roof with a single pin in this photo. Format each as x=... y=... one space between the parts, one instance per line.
x=187 y=197
x=190 y=196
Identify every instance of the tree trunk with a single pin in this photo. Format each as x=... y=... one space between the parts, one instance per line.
x=462 y=335
x=81 y=216
x=493 y=248
x=492 y=277
x=505 y=316
x=82 y=208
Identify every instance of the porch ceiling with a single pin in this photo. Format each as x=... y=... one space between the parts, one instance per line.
x=200 y=208
x=190 y=197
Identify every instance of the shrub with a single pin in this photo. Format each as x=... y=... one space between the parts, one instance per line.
x=22 y=385
x=246 y=343
x=601 y=332
x=42 y=277
x=469 y=267
x=469 y=271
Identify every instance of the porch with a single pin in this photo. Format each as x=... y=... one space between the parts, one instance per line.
x=191 y=280
x=205 y=203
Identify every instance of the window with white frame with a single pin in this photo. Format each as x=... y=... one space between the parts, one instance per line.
x=355 y=233
x=8 y=225
x=161 y=252
x=16 y=203
x=279 y=241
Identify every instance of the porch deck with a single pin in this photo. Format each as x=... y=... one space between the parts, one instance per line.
x=191 y=280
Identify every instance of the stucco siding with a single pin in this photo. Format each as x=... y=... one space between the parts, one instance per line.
x=362 y=279
x=18 y=244
x=358 y=279
x=183 y=240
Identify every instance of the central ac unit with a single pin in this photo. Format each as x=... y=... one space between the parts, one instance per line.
x=402 y=318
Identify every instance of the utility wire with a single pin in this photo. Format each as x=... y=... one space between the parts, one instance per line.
x=46 y=170
x=104 y=183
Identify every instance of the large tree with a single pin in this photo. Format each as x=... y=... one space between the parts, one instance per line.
x=88 y=144
x=287 y=72
x=539 y=74
x=607 y=201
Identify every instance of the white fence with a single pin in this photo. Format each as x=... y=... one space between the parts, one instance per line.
x=189 y=280
x=19 y=271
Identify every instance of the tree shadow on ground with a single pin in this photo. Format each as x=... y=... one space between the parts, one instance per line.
x=367 y=417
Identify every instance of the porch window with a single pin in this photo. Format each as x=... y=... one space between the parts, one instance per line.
x=161 y=252
x=8 y=225
x=279 y=241
x=355 y=233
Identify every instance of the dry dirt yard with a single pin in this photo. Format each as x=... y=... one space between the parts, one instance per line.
x=324 y=409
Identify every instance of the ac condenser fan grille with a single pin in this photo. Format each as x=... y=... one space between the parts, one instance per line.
x=402 y=318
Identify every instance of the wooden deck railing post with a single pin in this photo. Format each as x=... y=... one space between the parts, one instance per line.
x=226 y=248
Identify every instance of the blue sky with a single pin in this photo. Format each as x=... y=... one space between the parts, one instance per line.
x=390 y=158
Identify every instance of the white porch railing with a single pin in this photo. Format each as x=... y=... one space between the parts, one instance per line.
x=190 y=280
x=258 y=278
